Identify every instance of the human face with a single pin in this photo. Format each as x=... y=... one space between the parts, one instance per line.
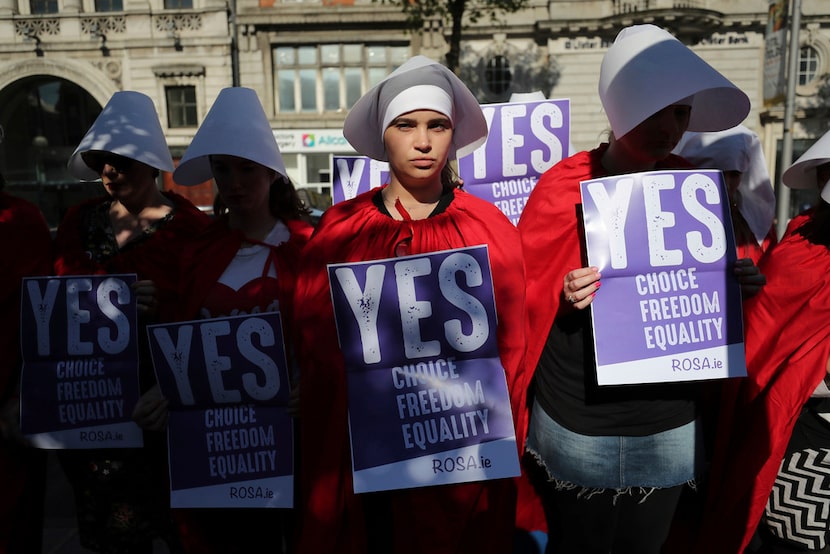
x=655 y=138
x=733 y=181
x=243 y=184
x=98 y=161
x=417 y=146
x=124 y=179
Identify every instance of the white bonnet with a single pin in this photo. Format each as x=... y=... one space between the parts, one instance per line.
x=648 y=69
x=438 y=89
x=236 y=125
x=802 y=173
x=128 y=126
x=736 y=149
x=535 y=96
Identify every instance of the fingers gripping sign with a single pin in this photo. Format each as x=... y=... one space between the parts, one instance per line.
x=580 y=286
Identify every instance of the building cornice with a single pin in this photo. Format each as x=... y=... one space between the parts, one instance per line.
x=689 y=25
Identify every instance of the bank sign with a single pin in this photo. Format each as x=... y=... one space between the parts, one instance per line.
x=312 y=140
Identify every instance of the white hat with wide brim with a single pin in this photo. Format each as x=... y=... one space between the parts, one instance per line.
x=364 y=125
x=128 y=126
x=535 y=96
x=736 y=149
x=648 y=69
x=802 y=173
x=236 y=125
x=825 y=192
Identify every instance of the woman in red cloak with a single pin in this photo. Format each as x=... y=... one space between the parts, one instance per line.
x=769 y=481
x=738 y=154
x=416 y=119
x=122 y=495
x=27 y=248
x=613 y=460
x=244 y=263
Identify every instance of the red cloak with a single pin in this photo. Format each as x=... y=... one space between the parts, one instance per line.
x=207 y=257
x=553 y=244
x=471 y=517
x=26 y=245
x=154 y=258
x=787 y=327
x=204 y=260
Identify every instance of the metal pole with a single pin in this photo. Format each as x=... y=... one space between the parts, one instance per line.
x=789 y=111
x=234 y=45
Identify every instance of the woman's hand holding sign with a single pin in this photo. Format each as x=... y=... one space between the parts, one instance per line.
x=151 y=411
x=580 y=287
x=145 y=298
x=749 y=276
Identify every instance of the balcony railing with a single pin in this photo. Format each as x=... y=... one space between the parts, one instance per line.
x=634 y=6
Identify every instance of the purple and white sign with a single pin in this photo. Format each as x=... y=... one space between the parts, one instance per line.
x=230 y=435
x=352 y=175
x=79 y=341
x=428 y=399
x=525 y=140
x=669 y=308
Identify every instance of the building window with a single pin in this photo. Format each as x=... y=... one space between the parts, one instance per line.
x=39 y=7
x=109 y=5
x=498 y=75
x=331 y=77
x=178 y=4
x=808 y=64
x=181 y=106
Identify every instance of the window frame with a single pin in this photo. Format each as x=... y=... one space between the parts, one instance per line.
x=182 y=107
x=295 y=74
x=807 y=75
x=50 y=7
x=98 y=8
x=182 y=4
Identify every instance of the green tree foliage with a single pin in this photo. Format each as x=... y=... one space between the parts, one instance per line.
x=454 y=12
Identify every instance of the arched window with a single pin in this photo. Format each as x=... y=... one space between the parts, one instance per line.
x=808 y=64
x=497 y=75
x=44 y=118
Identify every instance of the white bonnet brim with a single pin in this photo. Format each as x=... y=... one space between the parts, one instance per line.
x=364 y=128
x=535 y=96
x=128 y=126
x=648 y=69
x=802 y=173
x=236 y=125
x=736 y=149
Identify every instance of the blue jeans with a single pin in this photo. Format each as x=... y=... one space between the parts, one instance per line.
x=662 y=460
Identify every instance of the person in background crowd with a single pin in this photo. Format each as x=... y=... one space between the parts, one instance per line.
x=811 y=171
x=26 y=244
x=121 y=495
x=769 y=490
x=737 y=153
x=613 y=461
x=418 y=119
x=244 y=263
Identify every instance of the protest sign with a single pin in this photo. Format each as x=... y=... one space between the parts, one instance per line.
x=427 y=394
x=229 y=433
x=79 y=382
x=669 y=308
x=525 y=139
x=352 y=175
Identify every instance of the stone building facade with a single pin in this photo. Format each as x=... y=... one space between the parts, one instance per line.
x=309 y=60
